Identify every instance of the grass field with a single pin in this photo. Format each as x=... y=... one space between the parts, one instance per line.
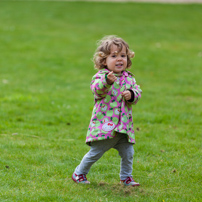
x=46 y=103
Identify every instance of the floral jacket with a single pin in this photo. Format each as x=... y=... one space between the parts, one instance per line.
x=111 y=112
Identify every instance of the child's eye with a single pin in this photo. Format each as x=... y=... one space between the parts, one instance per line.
x=113 y=56
x=123 y=56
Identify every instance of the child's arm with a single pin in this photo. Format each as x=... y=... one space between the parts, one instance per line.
x=99 y=86
x=133 y=94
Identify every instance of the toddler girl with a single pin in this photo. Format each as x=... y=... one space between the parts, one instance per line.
x=111 y=125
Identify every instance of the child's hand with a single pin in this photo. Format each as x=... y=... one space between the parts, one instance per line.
x=111 y=78
x=126 y=94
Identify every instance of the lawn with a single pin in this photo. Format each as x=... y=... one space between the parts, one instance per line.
x=46 y=51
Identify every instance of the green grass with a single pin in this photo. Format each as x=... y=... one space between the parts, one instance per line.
x=46 y=103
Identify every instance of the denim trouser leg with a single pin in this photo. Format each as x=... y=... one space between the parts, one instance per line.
x=98 y=148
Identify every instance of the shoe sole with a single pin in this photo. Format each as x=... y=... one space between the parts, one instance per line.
x=135 y=185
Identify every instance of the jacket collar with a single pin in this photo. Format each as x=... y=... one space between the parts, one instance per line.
x=106 y=71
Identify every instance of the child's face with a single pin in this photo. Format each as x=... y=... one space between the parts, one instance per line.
x=116 y=61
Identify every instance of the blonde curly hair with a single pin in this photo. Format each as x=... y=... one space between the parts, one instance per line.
x=104 y=48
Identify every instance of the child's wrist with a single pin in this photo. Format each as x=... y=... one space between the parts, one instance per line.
x=132 y=95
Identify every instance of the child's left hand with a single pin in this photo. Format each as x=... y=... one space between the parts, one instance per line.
x=126 y=94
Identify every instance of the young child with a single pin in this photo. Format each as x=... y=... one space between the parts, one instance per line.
x=111 y=125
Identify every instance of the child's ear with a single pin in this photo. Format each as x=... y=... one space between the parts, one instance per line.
x=104 y=62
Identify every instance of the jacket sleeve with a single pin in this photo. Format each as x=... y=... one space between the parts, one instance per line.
x=137 y=92
x=99 y=86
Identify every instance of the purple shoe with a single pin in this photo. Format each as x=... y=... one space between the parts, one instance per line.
x=129 y=181
x=80 y=178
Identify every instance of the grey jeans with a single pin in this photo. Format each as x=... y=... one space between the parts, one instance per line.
x=98 y=148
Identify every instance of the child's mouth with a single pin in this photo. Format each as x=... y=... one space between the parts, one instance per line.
x=119 y=65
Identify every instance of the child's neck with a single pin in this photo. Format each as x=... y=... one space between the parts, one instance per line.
x=118 y=74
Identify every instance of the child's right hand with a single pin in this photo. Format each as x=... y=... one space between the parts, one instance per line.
x=111 y=78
